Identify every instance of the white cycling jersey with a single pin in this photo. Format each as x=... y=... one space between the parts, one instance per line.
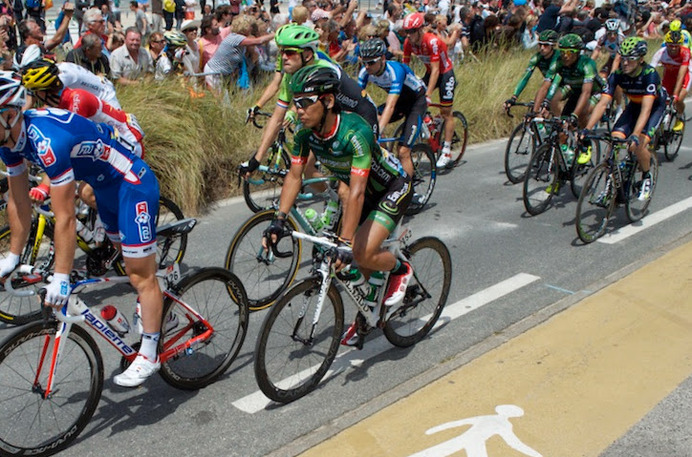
x=76 y=77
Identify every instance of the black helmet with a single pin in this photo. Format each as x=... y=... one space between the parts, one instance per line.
x=315 y=79
x=373 y=48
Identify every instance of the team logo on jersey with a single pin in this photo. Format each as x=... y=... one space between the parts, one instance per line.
x=42 y=146
x=94 y=149
x=142 y=219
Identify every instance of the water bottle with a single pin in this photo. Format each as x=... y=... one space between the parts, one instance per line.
x=542 y=132
x=356 y=279
x=115 y=319
x=313 y=218
x=329 y=214
x=375 y=282
x=84 y=231
x=567 y=153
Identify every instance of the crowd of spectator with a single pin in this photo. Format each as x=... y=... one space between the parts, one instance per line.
x=230 y=41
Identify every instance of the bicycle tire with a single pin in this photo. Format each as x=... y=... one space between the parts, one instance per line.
x=305 y=362
x=228 y=316
x=411 y=322
x=264 y=278
x=578 y=173
x=424 y=177
x=520 y=147
x=76 y=390
x=671 y=147
x=596 y=204
x=541 y=174
x=634 y=208
x=265 y=193
x=460 y=138
x=19 y=310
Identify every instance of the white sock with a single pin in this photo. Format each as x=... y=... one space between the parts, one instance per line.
x=447 y=147
x=150 y=342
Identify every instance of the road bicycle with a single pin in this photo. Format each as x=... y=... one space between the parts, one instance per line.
x=99 y=258
x=262 y=189
x=433 y=133
x=549 y=167
x=665 y=136
x=52 y=371
x=611 y=184
x=267 y=273
x=522 y=142
x=301 y=334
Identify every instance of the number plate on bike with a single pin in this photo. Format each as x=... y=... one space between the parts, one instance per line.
x=172 y=273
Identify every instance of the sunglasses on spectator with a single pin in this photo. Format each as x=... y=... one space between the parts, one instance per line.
x=305 y=102
x=290 y=52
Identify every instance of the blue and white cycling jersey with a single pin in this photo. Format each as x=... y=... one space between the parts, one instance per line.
x=397 y=79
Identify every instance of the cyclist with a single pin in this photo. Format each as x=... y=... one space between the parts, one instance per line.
x=406 y=97
x=640 y=118
x=610 y=42
x=676 y=26
x=380 y=189
x=176 y=49
x=69 y=147
x=439 y=73
x=675 y=59
x=297 y=49
x=545 y=59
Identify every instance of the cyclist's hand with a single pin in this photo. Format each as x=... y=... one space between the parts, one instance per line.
x=58 y=291
x=39 y=193
x=276 y=230
x=633 y=142
x=545 y=108
x=583 y=133
x=509 y=103
x=245 y=168
x=290 y=118
x=251 y=113
x=343 y=254
x=8 y=264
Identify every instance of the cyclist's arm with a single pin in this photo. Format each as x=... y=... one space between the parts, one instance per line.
x=354 y=203
x=19 y=211
x=616 y=63
x=271 y=90
x=682 y=72
x=388 y=110
x=644 y=113
x=525 y=78
x=596 y=50
x=62 y=204
x=271 y=130
x=541 y=94
x=583 y=98
x=434 y=76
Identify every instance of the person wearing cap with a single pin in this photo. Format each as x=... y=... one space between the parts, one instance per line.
x=190 y=60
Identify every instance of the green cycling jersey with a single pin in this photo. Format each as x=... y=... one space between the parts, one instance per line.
x=545 y=66
x=583 y=71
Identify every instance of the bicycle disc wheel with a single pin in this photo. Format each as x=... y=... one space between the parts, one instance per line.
x=460 y=138
x=671 y=147
x=518 y=152
x=424 y=177
x=426 y=294
x=578 y=173
x=635 y=209
x=263 y=188
x=596 y=204
x=31 y=424
x=541 y=183
x=292 y=355
x=264 y=275
x=200 y=364
x=24 y=308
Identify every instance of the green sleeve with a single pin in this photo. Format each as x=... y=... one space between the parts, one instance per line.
x=301 y=146
x=527 y=75
x=361 y=151
x=553 y=87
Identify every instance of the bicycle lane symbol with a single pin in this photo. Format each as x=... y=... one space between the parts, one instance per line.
x=473 y=441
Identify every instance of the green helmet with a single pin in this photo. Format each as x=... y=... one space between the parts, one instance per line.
x=297 y=36
x=315 y=79
x=548 y=37
x=633 y=47
x=571 y=42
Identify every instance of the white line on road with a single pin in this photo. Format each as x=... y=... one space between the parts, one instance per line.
x=256 y=401
x=647 y=222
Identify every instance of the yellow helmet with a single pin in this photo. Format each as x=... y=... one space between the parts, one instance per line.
x=41 y=74
x=676 y=25
x=673 y=37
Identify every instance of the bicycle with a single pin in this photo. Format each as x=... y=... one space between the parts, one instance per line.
x=267 y=273
x=52 y=370
x=665 y=136
x=609 y=185
x=262 y=190
x=301 y=334
x=522 y=142
x=549 y=167
x=39 y=251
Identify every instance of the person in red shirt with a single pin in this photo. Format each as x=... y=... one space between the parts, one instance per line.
x=439 y=73
x=675 y=59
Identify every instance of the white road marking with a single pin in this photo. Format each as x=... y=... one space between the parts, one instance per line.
x=256 y=401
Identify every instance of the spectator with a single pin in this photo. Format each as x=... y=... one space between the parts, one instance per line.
x=156 y=15
x=189 y=10
x=129 y=63
x=162 y=64
x=207 y=10
x=224 y=16
x=212 y=36
x=191 y=59
x=31 y=33
x=90 y=56
x=300 y=15
x=112 y=23
x=551 y=13
x=179 y=13
x=115 y=41
x=141 y=21
x=168 y=13
x=35 y=11
x=95 y=24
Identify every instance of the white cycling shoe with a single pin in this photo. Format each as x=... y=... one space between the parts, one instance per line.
x=444 y=160
x=139 y=371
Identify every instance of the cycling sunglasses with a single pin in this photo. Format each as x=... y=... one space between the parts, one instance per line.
x=367 y=63
x=306 y=102
x=290 y=52
x=546 y=43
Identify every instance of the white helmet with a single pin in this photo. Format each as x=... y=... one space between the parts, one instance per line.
x=612 y=25
x=22 y=59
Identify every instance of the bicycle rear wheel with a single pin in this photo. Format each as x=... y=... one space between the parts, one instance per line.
x=541 y=181
x=292 y=355
x=596 y=204
x=263 y=188
x=31 y=424
x=426 y=294
x=206 y=291
x=264 y=275
x=634 y=208
x=671 y=147
x=518 y=152
x=460 y=138
x=424 y=177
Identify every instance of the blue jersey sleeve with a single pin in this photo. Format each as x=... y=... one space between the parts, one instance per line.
x=363 y=78
x=398 y=77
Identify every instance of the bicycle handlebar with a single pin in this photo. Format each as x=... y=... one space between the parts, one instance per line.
x=526 y=104
x=259 y=114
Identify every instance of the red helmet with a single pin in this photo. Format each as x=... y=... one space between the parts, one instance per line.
x=414 y=21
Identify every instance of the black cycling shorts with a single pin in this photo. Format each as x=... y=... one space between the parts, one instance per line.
x=390 y=207
x=628 y=119
x=446 y=83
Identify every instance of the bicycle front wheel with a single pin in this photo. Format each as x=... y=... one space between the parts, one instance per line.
x=426 y=294
x=424 y=177
x=263 y=188
x=459 y=139
x=671 y=147
x=520 y=146
x=263 y=274
x=30 y=423
x=596 y=204
x=541 y=180
x=292 y=354
x=635 y=208
x=225 y=322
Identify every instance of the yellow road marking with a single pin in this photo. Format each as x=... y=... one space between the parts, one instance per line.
x=583 y=377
